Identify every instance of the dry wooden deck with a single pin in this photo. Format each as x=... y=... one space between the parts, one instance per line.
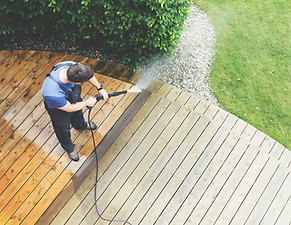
x=183 y=161
x=34 y=168
x=178 y=161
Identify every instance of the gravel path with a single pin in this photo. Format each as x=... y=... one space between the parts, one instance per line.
x=188 y=68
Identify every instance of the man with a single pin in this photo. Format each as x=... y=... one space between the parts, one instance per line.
x=63 y=112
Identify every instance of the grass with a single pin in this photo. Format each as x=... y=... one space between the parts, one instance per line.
x=251 y=70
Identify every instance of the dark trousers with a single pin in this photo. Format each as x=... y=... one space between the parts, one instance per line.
x=61 y=121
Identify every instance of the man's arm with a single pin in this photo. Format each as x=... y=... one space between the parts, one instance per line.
x=78 y=105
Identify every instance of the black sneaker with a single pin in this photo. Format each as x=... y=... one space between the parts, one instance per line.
x=74 y=156
x=91 y=126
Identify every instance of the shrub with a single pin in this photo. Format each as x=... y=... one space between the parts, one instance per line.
x=127 y=28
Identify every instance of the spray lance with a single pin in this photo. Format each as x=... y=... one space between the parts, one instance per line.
x=99 y=97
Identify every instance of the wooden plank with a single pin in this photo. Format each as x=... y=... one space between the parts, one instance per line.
x=284 y=218
x=164 y=90
x=221 y=188
x=23 y=61
x=215 y=173
x=125 y=136
x=72 y=167
x=128 y=150
x=206 y=157
x=183 y=152
x=212 y=110
x=238 y=198
x=11 y=137
x=23 y=162
x=249 y=132
x=258 y=138
x=201 y=107
x=47 y=165
x=221 y=192
x=267 y=144
x=192 y=102
x=174 y=93
x=267 y=196
x=158 y=166
x=8 y=133
x=90 y=164
x=285 y=158
x=84 y=191
x=18 y=148
x=154 y=86
x=8 y=62
x=146 y=153
x=278 y=204
x=51 y=176
x=4 y=54
x=13 y=88
x=28 y=100
x=27 y=82
x=277 y=150
x=183 y=97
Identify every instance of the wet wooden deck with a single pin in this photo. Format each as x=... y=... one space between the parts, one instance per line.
x=179 y=160
x=34 y=168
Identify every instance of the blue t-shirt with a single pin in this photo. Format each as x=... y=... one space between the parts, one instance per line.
x=52 y=93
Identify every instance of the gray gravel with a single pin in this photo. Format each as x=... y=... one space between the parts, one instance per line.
x=188 y=68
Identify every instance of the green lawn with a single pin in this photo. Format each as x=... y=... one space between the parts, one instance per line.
x=251 y=74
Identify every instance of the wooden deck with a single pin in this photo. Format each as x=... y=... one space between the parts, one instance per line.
x=34 y=168
x=179 y=160
x=183 y=161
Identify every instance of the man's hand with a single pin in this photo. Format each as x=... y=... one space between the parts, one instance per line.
x=103 y=92
x=91 y=101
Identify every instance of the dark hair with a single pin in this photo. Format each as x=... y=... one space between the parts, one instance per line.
x=79 y=73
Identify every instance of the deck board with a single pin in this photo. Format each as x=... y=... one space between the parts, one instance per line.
x=34 y=168
x=205 y=167
x=177 y=160
x=277 y=205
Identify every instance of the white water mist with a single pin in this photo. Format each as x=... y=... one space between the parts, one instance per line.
x=134 y=89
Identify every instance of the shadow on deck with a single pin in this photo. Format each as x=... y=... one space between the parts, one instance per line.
x=165 y=156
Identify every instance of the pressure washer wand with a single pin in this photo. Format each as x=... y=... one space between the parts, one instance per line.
x=99 y=97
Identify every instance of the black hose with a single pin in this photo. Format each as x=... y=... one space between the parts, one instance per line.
x=96 y=178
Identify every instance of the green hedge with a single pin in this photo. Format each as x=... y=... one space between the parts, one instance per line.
x=128 y=28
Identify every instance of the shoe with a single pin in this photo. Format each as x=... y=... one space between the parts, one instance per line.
x=91 y=126
x=74 y=156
